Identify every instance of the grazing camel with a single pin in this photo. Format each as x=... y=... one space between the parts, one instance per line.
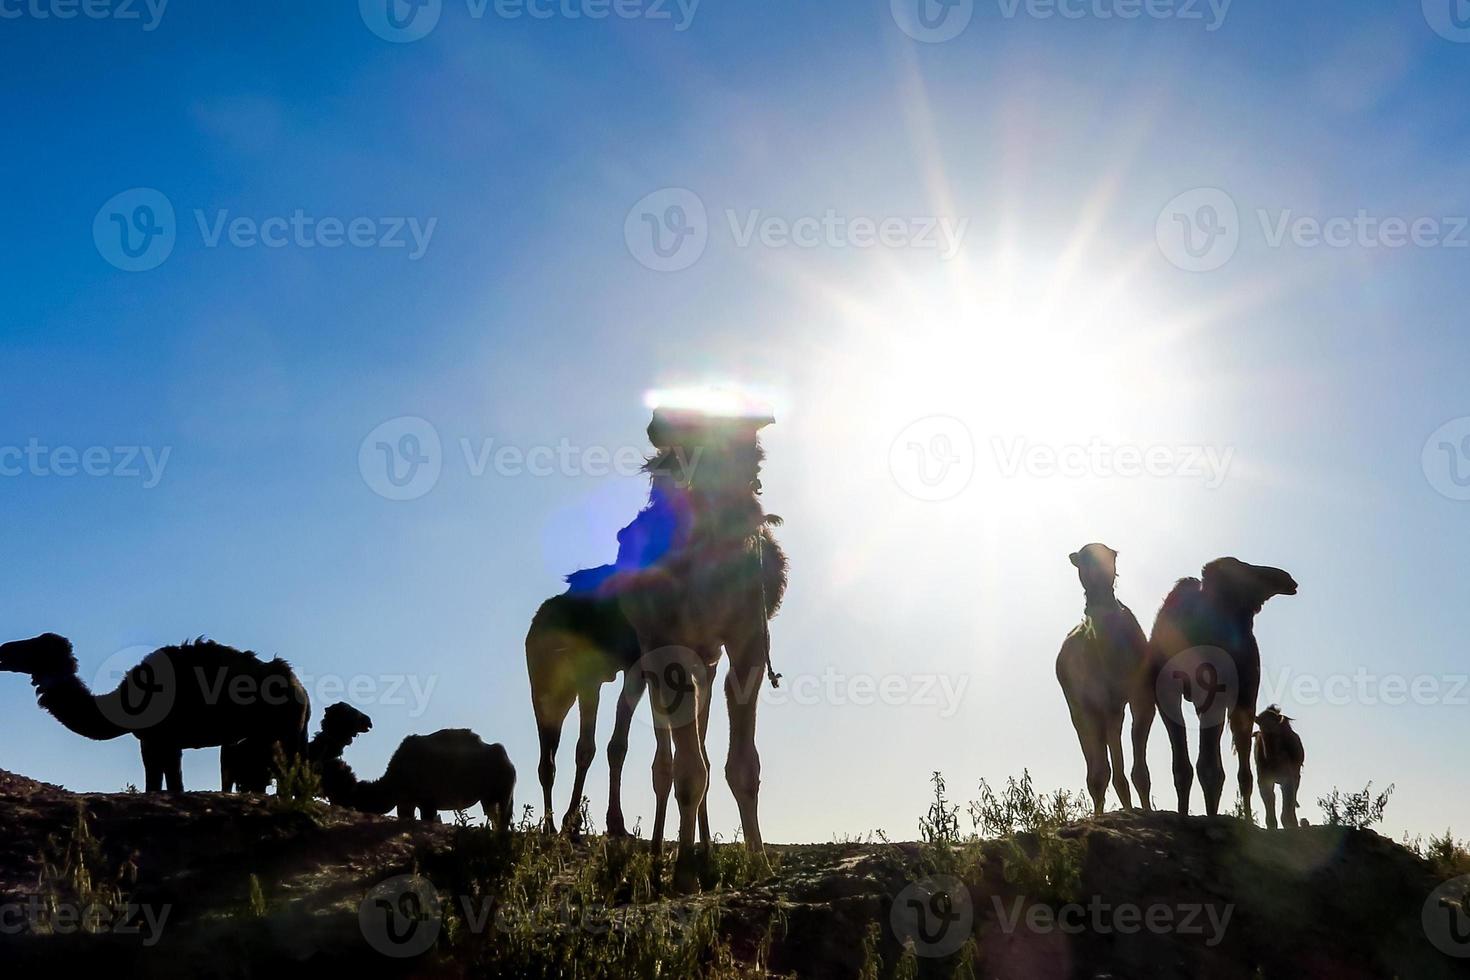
x=1279 y=760
x=192 y=696
x=1203 y=650
x=1103 y=670
x=451 y=769
x=711 y=576
x=341 y=723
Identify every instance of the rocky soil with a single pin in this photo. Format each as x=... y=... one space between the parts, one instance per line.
x=254 y=889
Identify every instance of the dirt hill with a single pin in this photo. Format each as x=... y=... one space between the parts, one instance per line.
x=210 y=885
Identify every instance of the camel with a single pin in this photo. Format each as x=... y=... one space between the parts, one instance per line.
x=1279 y=760
x=579 y=641
x=1204 y=646
x=584 y=638
x=1103 y=669
x=451 y=769
x=699 y=571
x=192 y=696
x=341 y=724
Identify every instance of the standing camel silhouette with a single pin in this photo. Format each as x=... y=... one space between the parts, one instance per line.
x=1103 y=670
x=1203 y=650
x=711 y=577
x=579 y=641
x=698 y=570
x=192 y=696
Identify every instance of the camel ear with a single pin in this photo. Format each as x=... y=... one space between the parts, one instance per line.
x=1075 y=559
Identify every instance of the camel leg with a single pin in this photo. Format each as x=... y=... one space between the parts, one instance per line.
x=549 y=661
x=587 y=703
x=1142 y=709
x=663 y=783
x=711 y=658
x=1171 y=706
x=1268 y=800
x=153 y=768
x=429 y=814
x=163 y=765
x=1115 y=751
x=1288 y=802
x=691 y=783
x=748 y=662
x=1091 y=737
x=634 y=684
x=1242 y=724
x=1211 y=767
x=407 y=813
x=498 y=812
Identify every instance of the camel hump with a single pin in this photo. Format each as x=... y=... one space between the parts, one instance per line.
x=447 y=740
x=1184 y=594
x=590 y=580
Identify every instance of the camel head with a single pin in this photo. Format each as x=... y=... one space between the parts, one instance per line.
x=48 y=655
x=1272 y=721
x=1245 y=586
x=343 y=721
x=712 y=455
x=1097 y=567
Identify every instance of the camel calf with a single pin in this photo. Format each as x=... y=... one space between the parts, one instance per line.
x=1279 y=758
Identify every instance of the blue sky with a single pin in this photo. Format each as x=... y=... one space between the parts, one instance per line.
x=528 y=152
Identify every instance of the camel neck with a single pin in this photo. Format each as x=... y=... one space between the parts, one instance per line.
x=1101 y=600
x=69 y=701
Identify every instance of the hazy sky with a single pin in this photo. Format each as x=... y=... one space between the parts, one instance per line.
x=1190 y=283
